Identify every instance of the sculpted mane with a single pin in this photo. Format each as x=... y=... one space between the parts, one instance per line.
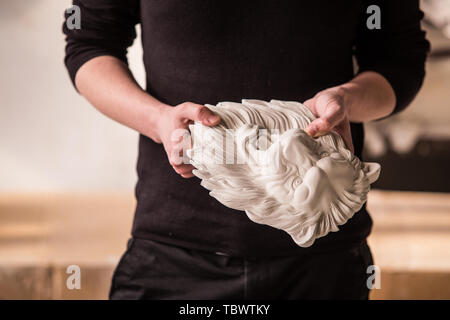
x=306 y=187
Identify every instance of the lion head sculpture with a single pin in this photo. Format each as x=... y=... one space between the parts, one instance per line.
x=260 y=160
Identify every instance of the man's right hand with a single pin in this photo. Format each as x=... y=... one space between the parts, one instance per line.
x=135 y=108
x=174 y=123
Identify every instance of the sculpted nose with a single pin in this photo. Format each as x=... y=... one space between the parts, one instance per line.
x=315 y=177
x=310 y=195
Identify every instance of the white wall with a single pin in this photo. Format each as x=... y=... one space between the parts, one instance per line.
x=51 y=139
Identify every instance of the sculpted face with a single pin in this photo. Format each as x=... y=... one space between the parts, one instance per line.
x=321 y=173
x=306 y=187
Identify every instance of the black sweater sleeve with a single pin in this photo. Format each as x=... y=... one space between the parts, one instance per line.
x=107 y=28
x=398 y=50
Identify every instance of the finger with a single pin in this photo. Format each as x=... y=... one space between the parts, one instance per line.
x=318 y=127
x=180 y=135
x=196 y=112
x=332 y=116
x=187 y=176
x=184 y=169
x=344 y=130
x=176 y=157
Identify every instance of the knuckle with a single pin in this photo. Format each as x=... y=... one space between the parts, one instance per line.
x=172 y=163
x=335 y=107
x=179 y=107
x=177 y=169
x=185 y=105
x=338 y=107
x=175 y=162
x=199 y=110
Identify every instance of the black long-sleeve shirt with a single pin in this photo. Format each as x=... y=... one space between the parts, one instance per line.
x=207 y=51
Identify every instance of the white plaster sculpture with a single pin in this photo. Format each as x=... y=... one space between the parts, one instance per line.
x=260 y=160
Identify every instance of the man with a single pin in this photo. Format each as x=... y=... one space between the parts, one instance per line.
x=184 y=243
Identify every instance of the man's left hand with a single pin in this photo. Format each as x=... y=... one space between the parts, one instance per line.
x=329 y=106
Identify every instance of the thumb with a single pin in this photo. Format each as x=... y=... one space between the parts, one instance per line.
x=199 y=113
x=332 y=116
x=318 y=127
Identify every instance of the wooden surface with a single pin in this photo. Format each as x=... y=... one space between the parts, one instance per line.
x=411 y=230
x=410 y=242
x=42 y=234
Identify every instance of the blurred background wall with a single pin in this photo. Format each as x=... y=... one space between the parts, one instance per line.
x=67 y=172
x=51 y=139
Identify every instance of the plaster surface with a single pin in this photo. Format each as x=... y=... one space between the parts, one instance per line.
x=260 y=160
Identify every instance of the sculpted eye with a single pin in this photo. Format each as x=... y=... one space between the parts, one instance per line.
x=324 y=154
x=296 y=182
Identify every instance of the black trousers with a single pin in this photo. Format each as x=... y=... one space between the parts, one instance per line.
x=153 y=270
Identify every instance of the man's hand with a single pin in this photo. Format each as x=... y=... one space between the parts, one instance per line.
x=368 y=96
x=331 y=109
x=173 y=125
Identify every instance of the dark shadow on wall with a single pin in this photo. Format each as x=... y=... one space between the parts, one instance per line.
x=425 y=168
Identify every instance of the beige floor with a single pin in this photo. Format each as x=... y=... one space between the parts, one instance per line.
x=42 y=234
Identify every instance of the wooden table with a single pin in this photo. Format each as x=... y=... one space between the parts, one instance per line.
x=42 y=234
